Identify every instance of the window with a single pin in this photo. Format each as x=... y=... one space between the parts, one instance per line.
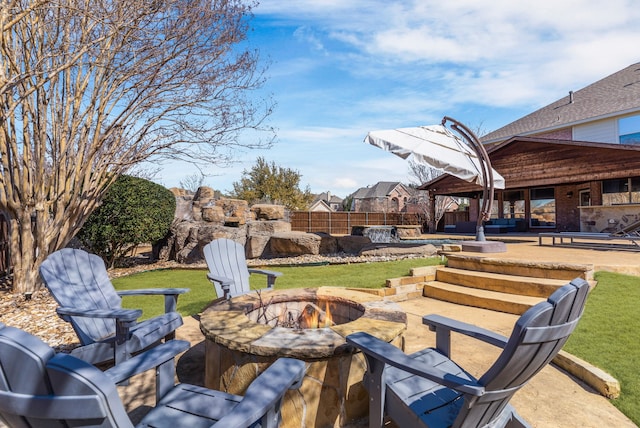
x=494 y=208
x=543 y=207
x=513 y=204
x=629 y=130
x=621 y=191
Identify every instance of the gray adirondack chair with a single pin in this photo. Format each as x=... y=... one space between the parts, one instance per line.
x=427 y=389
x=228 y=268
x=79 y=283
x=41 y=389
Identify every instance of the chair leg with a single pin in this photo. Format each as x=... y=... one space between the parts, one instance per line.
x=374 y=381
x=517 y=421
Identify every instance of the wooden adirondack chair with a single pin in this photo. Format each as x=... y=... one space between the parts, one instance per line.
x=41 y=389
x=228 y=268
x=79 y=283
x=427 y=389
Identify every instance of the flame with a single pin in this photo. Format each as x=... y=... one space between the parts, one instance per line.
x=314 y=317
x=310 y=318
x=328 y=320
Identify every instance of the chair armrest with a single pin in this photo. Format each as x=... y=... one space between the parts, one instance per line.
x=225 y=283
x=443 y=327
x=382 y=351
x=221 y=279
x=170 y=295
x=265 y=393
x=271 y=275
x=265 y=272
x=147 y=360
x=154 y=291
x=120 y=315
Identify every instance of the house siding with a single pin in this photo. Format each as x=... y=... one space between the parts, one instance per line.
x=602 y=131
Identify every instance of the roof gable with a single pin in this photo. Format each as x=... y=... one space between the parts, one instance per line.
x=381 y=189
x=614 y=95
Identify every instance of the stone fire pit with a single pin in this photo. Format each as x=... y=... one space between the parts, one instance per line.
x=239 y=348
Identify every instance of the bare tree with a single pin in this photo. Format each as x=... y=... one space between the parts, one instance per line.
x=192 y=182
x=420 y=174
x=89 y=89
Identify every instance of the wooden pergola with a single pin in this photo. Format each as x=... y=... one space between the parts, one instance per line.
x=567 y=166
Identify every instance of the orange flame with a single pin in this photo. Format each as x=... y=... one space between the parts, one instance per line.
x=328 y=320
x=314 y=317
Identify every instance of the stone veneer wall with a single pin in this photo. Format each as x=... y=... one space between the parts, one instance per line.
x=608 y=218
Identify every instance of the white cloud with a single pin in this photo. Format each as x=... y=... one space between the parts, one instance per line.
x=343 y=68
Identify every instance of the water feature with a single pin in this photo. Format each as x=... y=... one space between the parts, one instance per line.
x=377 y=234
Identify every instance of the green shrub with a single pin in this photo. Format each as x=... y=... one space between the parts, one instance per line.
x=134 y=211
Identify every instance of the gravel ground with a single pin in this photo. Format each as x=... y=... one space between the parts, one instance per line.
x=37 y=314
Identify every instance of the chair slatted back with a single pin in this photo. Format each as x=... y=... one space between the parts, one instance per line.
x=78 y=279
x=41 y=389
x=22 y=371
x=537 y=337
x=226 y=258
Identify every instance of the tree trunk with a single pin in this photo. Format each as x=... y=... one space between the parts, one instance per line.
x=23 y=254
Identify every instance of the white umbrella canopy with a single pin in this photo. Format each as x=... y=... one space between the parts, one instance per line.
x=437 y=147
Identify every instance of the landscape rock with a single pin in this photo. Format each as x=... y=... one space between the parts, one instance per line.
x=234 y=208
x=328 y=243
x=294 y=244
x=257 y=246
x=204 y=194
x=408 y=232
x=422 y=250
x=267 y=228
x=352 y=244
x=213 y=214
x=178 y=192
x=268 y=211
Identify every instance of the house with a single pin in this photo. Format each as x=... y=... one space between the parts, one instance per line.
x=326 y=202
x=384 y=196
x=320 y=206
x=573 y=165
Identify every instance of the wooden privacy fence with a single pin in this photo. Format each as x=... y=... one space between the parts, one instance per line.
x=340 y=222
x=453 y=217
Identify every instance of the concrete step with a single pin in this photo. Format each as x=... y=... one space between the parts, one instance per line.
x=550 y=270
x=492 y=300
x=513 y=284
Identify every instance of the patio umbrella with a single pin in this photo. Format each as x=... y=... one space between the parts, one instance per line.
x=435 y=146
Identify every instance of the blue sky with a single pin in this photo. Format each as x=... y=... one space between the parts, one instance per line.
x=341 y=68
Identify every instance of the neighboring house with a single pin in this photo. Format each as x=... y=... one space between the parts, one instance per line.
x=384 y=196
x=326 y=202
x=573 y=165
x=321 y=206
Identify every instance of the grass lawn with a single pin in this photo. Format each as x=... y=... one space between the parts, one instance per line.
x=607 y=335
x=362 y=275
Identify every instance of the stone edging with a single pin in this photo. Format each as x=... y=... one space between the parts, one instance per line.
x=596 y=378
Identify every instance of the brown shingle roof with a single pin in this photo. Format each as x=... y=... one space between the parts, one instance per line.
x=616 y=94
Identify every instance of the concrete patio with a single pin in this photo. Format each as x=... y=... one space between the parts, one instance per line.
x=552 y=399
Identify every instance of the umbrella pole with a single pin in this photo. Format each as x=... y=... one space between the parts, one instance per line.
x=487 y=192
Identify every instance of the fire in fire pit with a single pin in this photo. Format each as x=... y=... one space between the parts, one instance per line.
x=249 y=332
x=304 y=314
